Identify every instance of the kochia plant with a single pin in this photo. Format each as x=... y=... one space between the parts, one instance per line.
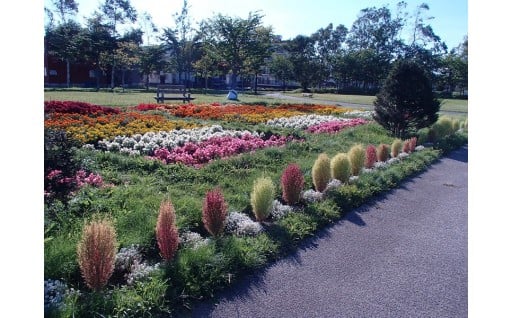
x=166 y=230
x=96 y=253
x=370 y=157
x=396 y=147
x=321 y=172
x=215 y=211
x=340 y=167
x=382 y=152
x=292 y=183
x=356 y=155
x=262 y=196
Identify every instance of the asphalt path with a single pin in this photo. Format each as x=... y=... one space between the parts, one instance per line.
x=402 y=255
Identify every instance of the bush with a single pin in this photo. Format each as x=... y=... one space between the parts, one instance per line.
x=214 y=212
x=406 y=146
x=396 y=146
x=442 y=128
x=262 y=197
x=97 y=253
x=166 y=230
x=321 y=172
x=370 y=156
x=292 y=183
x=356 y=155
x=340 y=167
x=406 y=102
x=382 y=152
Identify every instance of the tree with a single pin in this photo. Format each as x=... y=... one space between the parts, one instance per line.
x=98 y=45
x=307 y=66
x=152 y=58
x=260 y=49
x=406 y=102
x=376 y=29
x=282 y=68
x=181 y=43
x=117 y=12
x=65 y=42
x=328 y=43
x=234 y=40
x=65 y=8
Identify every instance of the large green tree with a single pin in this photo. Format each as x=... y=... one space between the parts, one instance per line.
x=151 y=59
x=116 y=12
x=406 y=102
x=308 y=69
x=236 y=41
x=282 y=68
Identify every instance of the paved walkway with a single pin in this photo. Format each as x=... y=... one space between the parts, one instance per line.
x=404 y=255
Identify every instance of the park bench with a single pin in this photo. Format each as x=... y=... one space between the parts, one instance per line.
x=172 y=92
x=310 y=95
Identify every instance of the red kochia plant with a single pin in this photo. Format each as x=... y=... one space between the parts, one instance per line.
x=214 y=212
x=370 y=157
x=76 y=108
x=412 y=143
x=97 y=253
x=166 y=230
x=406 y=146
x=292 y=183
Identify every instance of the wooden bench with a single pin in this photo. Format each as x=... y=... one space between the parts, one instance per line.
x=310 y=95
x=172 y=92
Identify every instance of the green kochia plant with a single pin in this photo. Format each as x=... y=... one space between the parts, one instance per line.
x=321 y=172
x=340 y=167
x=396 y=146
x=356 y=154
x=262 y=196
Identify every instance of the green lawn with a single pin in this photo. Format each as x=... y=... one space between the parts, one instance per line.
x=135 y=97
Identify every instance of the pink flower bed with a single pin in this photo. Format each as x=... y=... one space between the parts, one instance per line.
x=335 y=126
x=81 y=178
x=217 y=147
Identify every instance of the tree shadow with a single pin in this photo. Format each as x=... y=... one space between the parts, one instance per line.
x=460 y=154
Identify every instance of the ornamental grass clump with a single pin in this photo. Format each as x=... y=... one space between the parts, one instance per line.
x=356 y=155
x=292 y=183
x=262 y=197
x=214 y=212
x=321 y=172
x=96 y=253
x=166 y=230
x=396 y=146
x=370 y=156
x=340 y=167
x=382 y=152
x=443 y=127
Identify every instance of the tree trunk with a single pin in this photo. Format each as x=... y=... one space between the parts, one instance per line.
x=147 y=82
x=68 y=73
x=124 y=72
x=112 y=76
x=233 y=80
x=98 y=76
x=255 y=83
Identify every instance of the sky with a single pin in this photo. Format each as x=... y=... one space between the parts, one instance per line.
x=290 y=18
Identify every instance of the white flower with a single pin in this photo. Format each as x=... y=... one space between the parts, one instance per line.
x=419 y=148
x=312 y=196
x=192 y=240
x=241 y=224
x=280 y=210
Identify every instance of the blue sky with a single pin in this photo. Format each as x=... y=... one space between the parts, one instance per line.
x=290 y=18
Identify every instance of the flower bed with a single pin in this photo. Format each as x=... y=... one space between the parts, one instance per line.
x=335 y=126
x=217 y=147
x=90 y=128
x=75 y=107
x=244 y=113
x=316 y=123
x=147 y=143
